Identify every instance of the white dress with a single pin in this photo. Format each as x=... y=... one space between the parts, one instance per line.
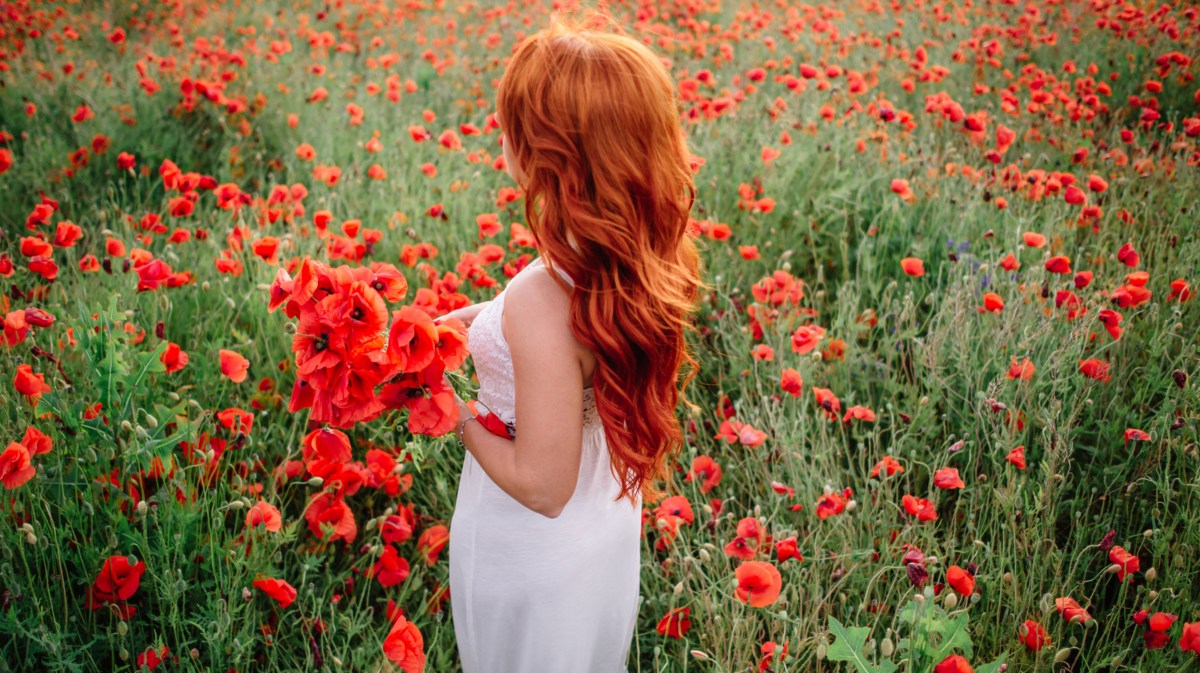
x=531 y=594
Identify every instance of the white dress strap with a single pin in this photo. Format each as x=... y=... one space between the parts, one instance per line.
x=564 y=274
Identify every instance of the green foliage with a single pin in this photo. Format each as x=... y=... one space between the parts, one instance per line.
x=849 y=647
x=931 y=635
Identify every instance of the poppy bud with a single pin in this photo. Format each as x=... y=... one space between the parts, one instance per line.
x=160 y=329
x=1061 y=655
x=107 y=265
x=1107 y=542
x=917 y=574
x=125 y=265
x=1180 y=378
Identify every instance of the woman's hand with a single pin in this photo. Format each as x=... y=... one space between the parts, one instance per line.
x=466 y=314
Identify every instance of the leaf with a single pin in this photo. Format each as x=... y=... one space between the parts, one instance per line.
x=993 y=667
x=849 y=646
x=910 y=612
x=954 y=636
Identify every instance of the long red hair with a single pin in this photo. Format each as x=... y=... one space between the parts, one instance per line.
x=592 y=120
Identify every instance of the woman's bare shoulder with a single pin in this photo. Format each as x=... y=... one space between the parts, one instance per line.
x=535 y=292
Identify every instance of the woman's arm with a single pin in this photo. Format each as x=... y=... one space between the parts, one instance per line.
x=466 y=314
x=540 y=467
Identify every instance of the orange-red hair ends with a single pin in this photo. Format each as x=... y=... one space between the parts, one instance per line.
x=592 y=121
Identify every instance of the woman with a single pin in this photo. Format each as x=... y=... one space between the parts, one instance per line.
x=581 y=353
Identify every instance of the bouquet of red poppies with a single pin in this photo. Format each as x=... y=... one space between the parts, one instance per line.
x=351 y=365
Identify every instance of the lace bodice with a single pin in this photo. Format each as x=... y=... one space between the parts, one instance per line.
x=494 y=367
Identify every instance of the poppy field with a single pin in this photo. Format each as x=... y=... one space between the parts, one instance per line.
x=947 y=408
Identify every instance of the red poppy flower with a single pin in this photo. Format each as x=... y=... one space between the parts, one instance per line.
x=1022 y=370
x=1060 y=264
x=1127 y=564
x=233 y=365
x=30 y=384
x=859 y=413
x=675 y=507
x=787 y=549
x=1095 y=369
x=1189 y=639
x=913 y=266
x=173 y=358
x=1128 y=256
x=992 y=303
x=279 y=590
x=806 y=338
x=1112 y=322
x=960 y=580
x=947 y=478
x=431 y=543
x=1180 y=290
x=955 y=663
x=151 y=658
x=828 y=402
x=391 y=568
x=36 y=441
x=15 y=466
x=675 y=623
x=735 y=431
x=758 y=583
x=1130 y=295
x=428 y=398
x=264 y=514
x=888 y=466
x=412 y=339
x=405 y=647
x=1135 y=435
x=706 y=469
x=830 y=504
x=921 y=508
x=791 y=382
x=117 y=581
x=397 y=528
x=1017 y=457
x=330 y=510
x=1070 y=610
x=1033 y=635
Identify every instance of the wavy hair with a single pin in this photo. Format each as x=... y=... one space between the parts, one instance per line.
x=592 y=119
